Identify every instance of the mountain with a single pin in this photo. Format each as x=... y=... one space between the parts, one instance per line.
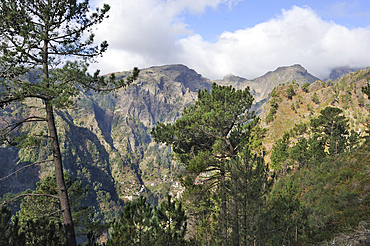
x=304 y=104
x=263 y=85
x=106 y=141
x=339 y=72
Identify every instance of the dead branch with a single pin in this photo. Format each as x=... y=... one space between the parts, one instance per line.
x=27 y=194
x=9 y=128
x=35 y=163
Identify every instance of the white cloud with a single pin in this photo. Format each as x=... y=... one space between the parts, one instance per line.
x=146 y=32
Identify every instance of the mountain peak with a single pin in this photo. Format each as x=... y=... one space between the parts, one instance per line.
x=293 y=68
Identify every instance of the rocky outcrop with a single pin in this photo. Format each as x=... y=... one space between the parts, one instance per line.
x=106 y=139
x=263 y=85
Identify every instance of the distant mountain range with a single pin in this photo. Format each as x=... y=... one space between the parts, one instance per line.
x=106 y=139
x=263 y=85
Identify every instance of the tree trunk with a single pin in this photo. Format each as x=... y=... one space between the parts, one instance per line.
x=235 y=221
x=223 y=206
x=58 y=165
x=62 y=189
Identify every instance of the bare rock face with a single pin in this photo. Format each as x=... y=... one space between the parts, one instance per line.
x=261 y=86
x=106 y=140
x=338 y=73
x=160 y=93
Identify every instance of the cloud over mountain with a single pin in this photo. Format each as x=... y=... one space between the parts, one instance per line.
x=152 y=32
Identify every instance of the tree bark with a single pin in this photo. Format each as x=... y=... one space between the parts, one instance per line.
x=223 y=206
x=62 y=189
x=57 y=157
x=235 y=222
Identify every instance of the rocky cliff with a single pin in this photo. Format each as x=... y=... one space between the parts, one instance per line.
x=106 y=139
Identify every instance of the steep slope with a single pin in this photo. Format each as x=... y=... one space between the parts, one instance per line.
x=345 y=94
x=338 y=73
x=106 y=141
x=263 y=85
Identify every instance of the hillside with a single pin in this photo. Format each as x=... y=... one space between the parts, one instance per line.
x=263 y=85
x=345 y=94
x=106 y=139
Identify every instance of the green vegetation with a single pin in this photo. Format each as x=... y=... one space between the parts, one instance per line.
x=208 y=134
x=225 y=194
x=327 y=135
x=37 y=37
x=305 y=87
x=290 y=92
x=273 y=107
x=315 y=98
x=142 y=224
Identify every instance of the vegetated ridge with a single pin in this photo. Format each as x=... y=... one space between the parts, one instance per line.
x=106 y=141
x=307 y=101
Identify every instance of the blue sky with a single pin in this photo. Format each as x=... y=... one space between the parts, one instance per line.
x=243 y=37
x=247 y=13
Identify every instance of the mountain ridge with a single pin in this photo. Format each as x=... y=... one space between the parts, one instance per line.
x=106 y=139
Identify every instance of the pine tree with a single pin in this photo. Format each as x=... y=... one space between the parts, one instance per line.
x=284 y=217
x=250 y=181
x=35 y=207
x=135 y=226
x=172 y=223
x=332 y=128
x=208 y=134
x=37 y=40
x=280 y=152
x=9 y=231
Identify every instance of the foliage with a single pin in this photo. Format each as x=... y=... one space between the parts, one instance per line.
x=37 y=41
x=249 y=181
x=40 y=231
x=216 y=128
x=305 y=87
x=273 y=107
x=135 y=226
x=142 y=224
x=290 y=92
x=35 y=207
x=332 y=129
x=280 y=152
x=284 y=218
x=315 y=98
x=171 y=219
x=323 y=195
x=325 y=199
x=327 y=134
x=9 y=231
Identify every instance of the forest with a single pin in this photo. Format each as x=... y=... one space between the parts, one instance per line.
x=311 y=188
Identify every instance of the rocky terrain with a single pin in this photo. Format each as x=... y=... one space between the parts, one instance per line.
x=106 y=139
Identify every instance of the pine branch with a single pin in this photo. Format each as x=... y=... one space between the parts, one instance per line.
x=35 y=163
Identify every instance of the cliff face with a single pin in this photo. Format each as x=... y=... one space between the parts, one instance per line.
x=263 y=85
x=106 y=139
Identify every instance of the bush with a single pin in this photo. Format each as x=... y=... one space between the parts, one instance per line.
x=315 y=98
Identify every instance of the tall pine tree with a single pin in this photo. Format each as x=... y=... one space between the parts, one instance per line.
x=37 y=41
x=210 y=133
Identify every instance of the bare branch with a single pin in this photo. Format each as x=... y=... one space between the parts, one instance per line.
x=9 y=99
x=13 y=126
x=27 y=194
x=59 y=211
x=35 y=163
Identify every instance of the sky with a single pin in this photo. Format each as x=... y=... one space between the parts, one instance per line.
x=246 y=38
